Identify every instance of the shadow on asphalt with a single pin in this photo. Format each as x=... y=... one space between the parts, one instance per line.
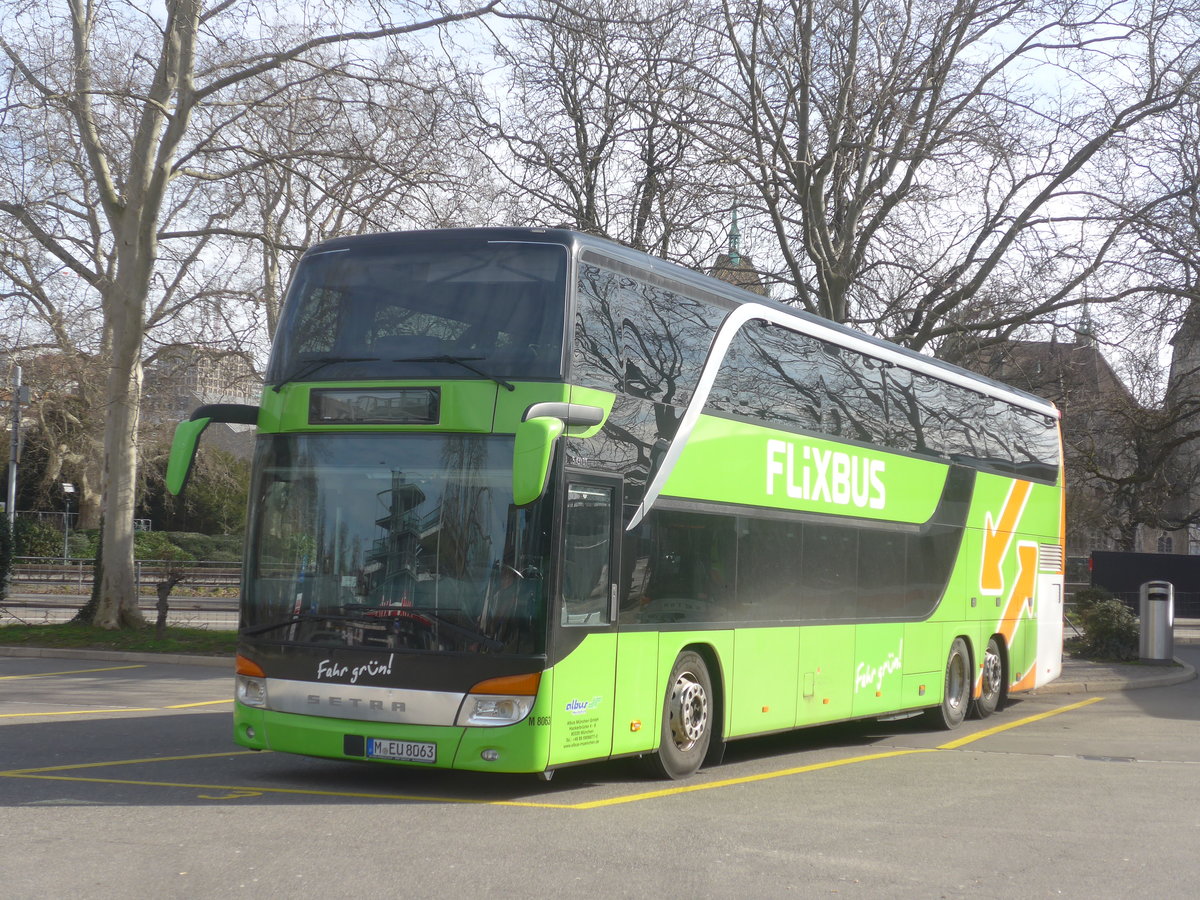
x=190 y=758
x=1177 y=701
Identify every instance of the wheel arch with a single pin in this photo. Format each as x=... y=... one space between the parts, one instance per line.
x=716 y=673
x=972 y=664
x=1005 y=663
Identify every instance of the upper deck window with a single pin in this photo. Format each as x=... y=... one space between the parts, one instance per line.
x=383 y=307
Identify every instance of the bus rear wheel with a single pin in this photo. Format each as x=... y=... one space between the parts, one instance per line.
x=992 y=682
x=686 y=721
x=956 y=696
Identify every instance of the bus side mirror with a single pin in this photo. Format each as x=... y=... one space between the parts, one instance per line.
x=183 y=453
x=187 y=437
x=532 y=452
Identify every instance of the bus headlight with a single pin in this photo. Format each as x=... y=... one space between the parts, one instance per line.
x=499 y=701
x=491 y=710
x=251 y=691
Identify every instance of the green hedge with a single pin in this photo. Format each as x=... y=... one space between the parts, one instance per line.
x=1110 y=630
x=181 y=545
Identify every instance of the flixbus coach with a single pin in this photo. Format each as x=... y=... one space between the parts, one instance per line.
x=523 y=498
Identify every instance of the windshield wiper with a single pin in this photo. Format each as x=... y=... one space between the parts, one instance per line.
x=465 y=362
x=294 y=620
x=317 y=364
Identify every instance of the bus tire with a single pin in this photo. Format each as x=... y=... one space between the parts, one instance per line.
x=956 y=694
x=687 y=725
x=992 y=682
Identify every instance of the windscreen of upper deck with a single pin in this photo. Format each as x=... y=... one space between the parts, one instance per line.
x=388 y=307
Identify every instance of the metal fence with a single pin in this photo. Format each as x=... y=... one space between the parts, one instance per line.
x=35 y=572
x=1187 y=603
x=43 y=591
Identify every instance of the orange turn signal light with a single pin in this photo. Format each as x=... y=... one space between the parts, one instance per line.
x=245 y=666
x=513 y=685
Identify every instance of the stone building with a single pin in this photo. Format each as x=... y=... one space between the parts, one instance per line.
x=1108 y=445
x=178 y=382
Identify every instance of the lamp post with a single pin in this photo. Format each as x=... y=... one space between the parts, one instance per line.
x=68 y=490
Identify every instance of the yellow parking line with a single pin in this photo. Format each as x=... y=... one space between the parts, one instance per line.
x=78 y=712
x=745 y=779
x=71 y=672
x=988 y=732
x=70 y=767
x=246 y=791
x=84 y=712
x=201 y=703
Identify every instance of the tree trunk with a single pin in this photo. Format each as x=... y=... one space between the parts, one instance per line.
x=87 y=613
x=164 y=589
x=118 y=606
x=89 y=510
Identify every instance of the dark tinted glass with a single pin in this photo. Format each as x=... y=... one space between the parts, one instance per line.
x=644 y=336
x=603 y=305
x=900 y=425
x=401 y=541
x=830 y=585
x=385 y=307
x=770 y=570
x=640 y=336
x=587 y=554
x=685 y=570
x=698 y=567
x=883 y=587
x=780 y=376
x=1034 y=444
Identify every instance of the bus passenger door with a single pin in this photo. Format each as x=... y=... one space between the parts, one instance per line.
x=585 y=639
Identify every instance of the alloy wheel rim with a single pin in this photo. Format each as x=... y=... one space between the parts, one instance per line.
x=689 y=711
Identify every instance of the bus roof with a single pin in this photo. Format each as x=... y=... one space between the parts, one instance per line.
x=817 y=326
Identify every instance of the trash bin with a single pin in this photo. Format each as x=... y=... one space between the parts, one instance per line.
x=1157 y=610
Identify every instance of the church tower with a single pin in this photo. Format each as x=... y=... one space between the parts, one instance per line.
x=735 y=268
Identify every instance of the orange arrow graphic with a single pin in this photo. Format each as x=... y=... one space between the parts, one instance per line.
x=1027 y=561
x=998 y=535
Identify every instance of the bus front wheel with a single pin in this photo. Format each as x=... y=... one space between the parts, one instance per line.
x=956 y=696
x=687 y=719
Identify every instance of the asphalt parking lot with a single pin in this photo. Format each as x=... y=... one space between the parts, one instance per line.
x=119 y=776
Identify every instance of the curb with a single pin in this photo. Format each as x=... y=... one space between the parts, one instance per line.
x=178 y=659
x=1178 y=675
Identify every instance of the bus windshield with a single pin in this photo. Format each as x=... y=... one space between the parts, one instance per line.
x=402 y=541
x=389 y=306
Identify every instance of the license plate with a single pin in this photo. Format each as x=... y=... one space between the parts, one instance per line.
x=402 y=751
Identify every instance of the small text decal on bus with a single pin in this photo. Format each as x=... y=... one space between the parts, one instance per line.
x=327 y=668
x=866 y=674
x=579 y=707
x=825 y=475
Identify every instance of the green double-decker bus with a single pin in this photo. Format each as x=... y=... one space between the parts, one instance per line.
x=524 y=498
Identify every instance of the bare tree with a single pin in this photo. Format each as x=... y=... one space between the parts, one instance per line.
x=327 y=154
x=125 y=83
x=49 y=318
x=587 y=130
x=928 y=168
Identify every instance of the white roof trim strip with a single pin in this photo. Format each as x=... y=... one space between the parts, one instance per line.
x=748 y=312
